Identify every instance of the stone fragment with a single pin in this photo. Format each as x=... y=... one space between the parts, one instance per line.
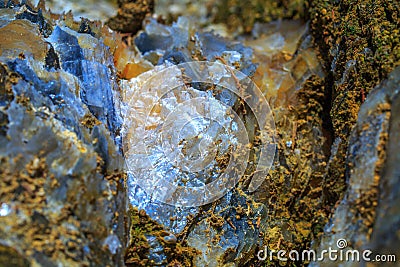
x=62 y=183
x=369 y=209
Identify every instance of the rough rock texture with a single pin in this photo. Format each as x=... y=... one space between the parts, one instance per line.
x=369 y=205
x=233 y=16
x=359 y=42
x=244 y=14
x=383 y=239
x=62 y=189
x=130 y=15
x=359 y=46
x=62 y=193
x=90 y=9
x=290 y=77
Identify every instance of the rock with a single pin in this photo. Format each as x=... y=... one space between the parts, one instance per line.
x=160 y=43
x=92 y=10
x=130 y=15
x=62 y=185
x=62 y=196
x=356 y=60
x=383 y=240
x=235 y=225
x=368 y=211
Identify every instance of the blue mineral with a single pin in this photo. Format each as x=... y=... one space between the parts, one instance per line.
x=93 y=69
x=172 y=42
x=62 y=197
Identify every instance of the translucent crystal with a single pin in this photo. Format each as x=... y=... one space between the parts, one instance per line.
x=199 y=121
x=5 y=209
x=113 y=243
x=182 y=137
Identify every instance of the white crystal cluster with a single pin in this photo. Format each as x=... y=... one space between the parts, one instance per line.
x=183 y=145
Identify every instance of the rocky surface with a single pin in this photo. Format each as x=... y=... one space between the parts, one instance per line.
x=315 y=109
x=130 y=15
x=383 y=239
x=66 y=87
x=62 y=193
x=359 y=44
x=93 y=10
x=286 y=73
x=371 y=178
